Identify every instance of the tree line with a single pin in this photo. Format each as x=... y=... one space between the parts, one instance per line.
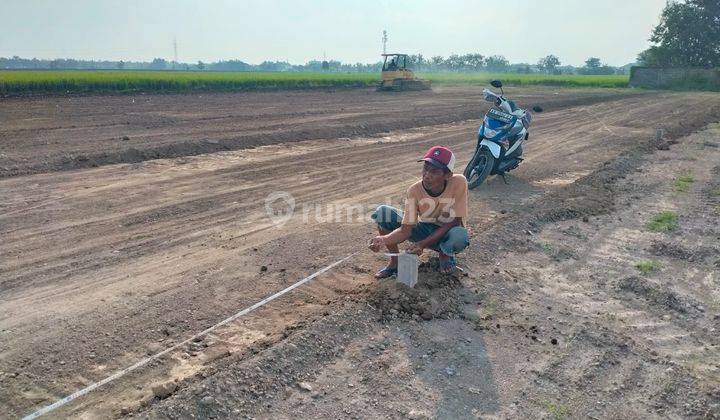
x=465 y=63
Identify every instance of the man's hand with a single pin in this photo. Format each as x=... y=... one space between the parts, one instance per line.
x=416 y=248
x=377 y=243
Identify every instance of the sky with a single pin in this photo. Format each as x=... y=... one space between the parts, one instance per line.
x=346 y=30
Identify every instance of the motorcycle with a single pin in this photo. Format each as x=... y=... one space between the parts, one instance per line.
x=500 y=138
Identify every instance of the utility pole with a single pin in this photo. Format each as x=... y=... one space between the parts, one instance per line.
x=325 y=65
x=384 y=41
x=175 y=52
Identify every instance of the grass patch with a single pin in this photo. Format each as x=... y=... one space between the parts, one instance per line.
x=647 y=266
x=515 y=79
x=85 y=81
x=488 y=309
x=558 y=411
x=668 y=387
x=547 y=249
x=611 y=317
x=666 y=221
x=682 y=184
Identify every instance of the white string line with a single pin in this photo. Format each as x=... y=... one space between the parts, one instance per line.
x=145 y=361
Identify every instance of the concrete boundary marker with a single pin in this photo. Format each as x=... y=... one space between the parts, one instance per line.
x=143 y=362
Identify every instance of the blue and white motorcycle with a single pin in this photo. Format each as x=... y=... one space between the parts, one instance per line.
x=500 y=137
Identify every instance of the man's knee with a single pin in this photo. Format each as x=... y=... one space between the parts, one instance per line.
x=383 y=213
x=386 y=217
x=456 y=240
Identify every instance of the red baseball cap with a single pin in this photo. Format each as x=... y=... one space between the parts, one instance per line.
x=440 y=157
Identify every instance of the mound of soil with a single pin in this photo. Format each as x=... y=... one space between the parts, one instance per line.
x=656 y=294
x=435 y=295
x=679 y=252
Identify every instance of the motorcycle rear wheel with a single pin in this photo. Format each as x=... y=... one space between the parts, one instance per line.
x=479 y=168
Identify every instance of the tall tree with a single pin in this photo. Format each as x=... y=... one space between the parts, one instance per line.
x=688 y=35
x=473 y=61
x=496 y=63
x=549 y=64
x=416 y=62
x=592 y=63
x=159 y=64
x=437 y=62
x=454 y=62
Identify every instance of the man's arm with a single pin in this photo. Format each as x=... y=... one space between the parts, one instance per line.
x=399 y=235
x=395 y=237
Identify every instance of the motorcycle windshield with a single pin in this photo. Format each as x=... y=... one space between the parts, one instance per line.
x=495 y=124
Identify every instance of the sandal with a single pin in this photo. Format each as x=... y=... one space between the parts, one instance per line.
x=386 y=272
x=448 y=266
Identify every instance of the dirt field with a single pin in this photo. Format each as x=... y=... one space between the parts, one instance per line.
x=109 y=255
x=40 y=135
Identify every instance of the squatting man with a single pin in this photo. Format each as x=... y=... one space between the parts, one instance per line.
x=436 y=207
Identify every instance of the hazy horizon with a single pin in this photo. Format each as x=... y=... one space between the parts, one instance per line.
x=300 y=31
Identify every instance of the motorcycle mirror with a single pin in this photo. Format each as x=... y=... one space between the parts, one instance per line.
x=496 y=84
x=537 y=108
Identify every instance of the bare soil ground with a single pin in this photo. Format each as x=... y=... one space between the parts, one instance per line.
x=45 y=134
x=104 y=265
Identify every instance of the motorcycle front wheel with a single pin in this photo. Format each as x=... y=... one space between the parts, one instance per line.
x=479 y=168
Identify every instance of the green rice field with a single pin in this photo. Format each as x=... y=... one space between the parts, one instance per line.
x=80 y=81
x=516 y=79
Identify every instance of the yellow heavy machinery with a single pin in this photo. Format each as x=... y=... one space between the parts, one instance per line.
x=397 y=77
